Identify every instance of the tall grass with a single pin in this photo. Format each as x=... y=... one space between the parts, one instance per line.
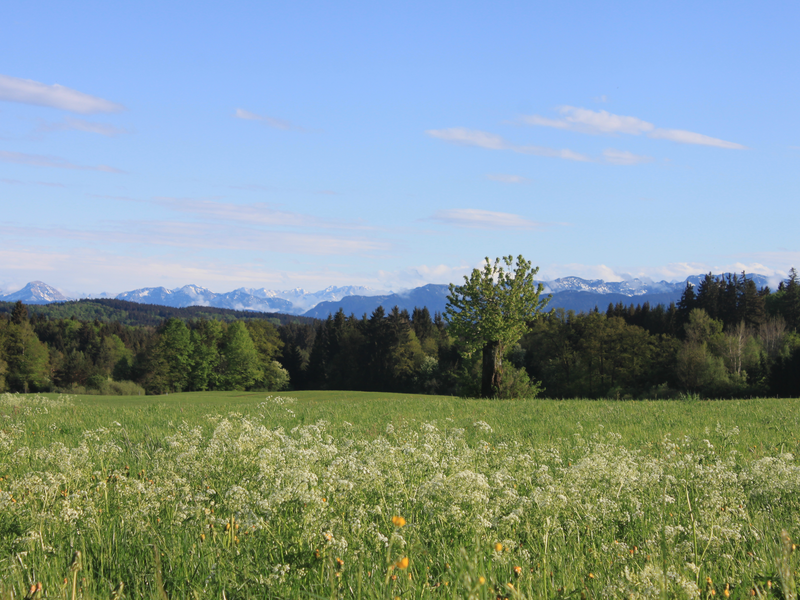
x=356 y=495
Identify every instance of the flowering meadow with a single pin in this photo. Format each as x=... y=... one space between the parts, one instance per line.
x=357 y=495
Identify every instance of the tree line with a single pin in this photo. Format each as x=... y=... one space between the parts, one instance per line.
x=725 y=338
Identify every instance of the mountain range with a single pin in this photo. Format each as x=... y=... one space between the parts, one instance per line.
x=568 y=293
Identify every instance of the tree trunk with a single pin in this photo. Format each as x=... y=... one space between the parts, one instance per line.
x=490 y=375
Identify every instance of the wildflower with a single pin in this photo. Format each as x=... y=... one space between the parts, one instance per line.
x=498 y=547
x=402 y=563
x=398 y=521
x=35 y=589
x=517 y=571
x=339 y=562
x=481 y=580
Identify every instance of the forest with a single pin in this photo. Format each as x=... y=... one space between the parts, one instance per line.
x=724 y=339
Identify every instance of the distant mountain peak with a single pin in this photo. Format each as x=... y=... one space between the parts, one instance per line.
x=568 y=291
x=36 y=292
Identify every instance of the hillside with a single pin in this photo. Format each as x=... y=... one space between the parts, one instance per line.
x=135 y=314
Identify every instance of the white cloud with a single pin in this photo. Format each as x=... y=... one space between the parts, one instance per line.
x=26 y=91
x=36 y=160
x=590 y=121
x=482 y=139
x=412 y=277
x=44 y=183
x=689 y=137
x=504 y=178
x=207 y=236
x=623 y=157
x=271 y=121
x=257 y=213
x=470 y=137
x=72 y=124
x=474 y=218
x=594 y=122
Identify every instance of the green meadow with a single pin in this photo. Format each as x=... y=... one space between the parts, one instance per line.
x=366 y=495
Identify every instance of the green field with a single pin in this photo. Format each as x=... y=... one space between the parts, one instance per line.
x=360 y=495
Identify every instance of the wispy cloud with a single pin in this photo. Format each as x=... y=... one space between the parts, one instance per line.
x=27 y=91
x=489 y=141
x=207 y=237
x=44 y=183
x=474 y=218
x=83 y=268
x=270 y=121
x=420 y=275
x=37 y=160
x=504 y=178
x=71 y=124
x=689 y=137
x=257 y=213
x=623 y=157
x=601 y=122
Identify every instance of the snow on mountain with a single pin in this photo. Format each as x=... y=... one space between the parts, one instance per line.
x=299 y=301
x=295 y=301
x=36 y=292
x=629 y=287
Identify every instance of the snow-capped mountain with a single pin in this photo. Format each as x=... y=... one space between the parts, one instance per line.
x=293 y=302
x=569 y=292
x=630 y=287
x=36 y=292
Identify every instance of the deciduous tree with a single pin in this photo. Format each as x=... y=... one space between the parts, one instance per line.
x=492 y=310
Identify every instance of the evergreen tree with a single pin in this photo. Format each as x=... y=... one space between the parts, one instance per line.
x=791 y=300
x=19 y=314
x=686 y=305
x=28 y=360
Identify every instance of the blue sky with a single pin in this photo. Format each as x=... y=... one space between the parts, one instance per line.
x=300 y=144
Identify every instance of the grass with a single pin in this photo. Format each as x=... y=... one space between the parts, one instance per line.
x=205 y=494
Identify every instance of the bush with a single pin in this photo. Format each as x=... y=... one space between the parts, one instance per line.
x=99 y=385
x=515 y=383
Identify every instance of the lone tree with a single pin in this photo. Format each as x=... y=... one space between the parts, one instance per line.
x=491 y=311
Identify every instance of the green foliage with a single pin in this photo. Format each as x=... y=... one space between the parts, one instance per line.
x=27 y=358
x=107 y=310
x=495 y=304
x=170 y=361
x=492 y=310
x=628 y=352
x=240 y=364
